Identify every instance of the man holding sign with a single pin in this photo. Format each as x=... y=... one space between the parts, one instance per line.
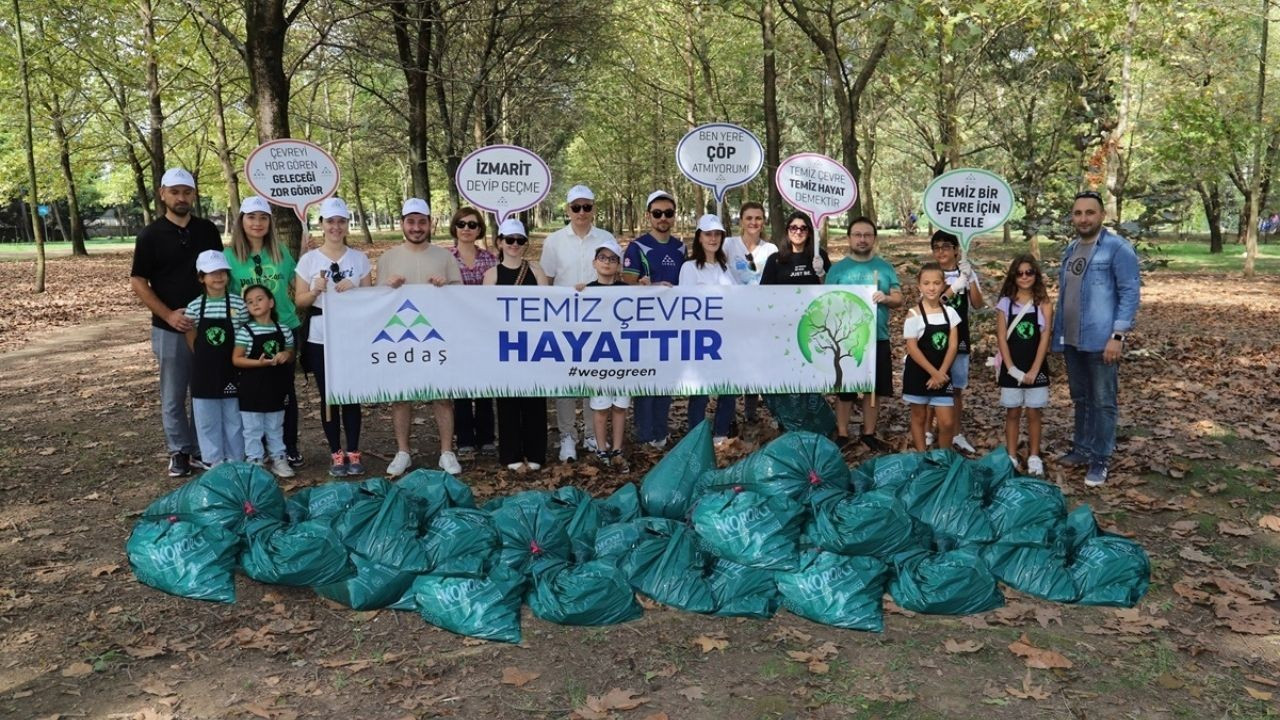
x=1097 y=302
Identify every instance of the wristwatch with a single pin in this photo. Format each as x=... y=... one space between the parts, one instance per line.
x=1118 y=336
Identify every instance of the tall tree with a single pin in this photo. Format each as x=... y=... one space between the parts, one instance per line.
x=33 y=189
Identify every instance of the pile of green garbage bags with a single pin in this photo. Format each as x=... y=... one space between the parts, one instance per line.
x=789 y=526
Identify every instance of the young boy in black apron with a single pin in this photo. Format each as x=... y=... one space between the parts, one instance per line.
x=213 y=379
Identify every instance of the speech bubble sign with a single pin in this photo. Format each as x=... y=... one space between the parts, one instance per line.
x=292 y=173
x=816 y=185
x=720 y=156
x=503 y=179
x=968 y=202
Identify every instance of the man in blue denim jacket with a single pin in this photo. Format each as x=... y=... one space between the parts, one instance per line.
x=1098 y=293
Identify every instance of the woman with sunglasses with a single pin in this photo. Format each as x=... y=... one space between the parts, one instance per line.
x=708 y=265
x=332 y=265
x=257 y=259
x=747 y=254
x=472 y=417
x=522 y=421
x=794 y=264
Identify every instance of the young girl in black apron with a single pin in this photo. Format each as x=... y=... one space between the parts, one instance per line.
x=930 y=332
x=264 y=354
x=1024 y=315
x=213 y=379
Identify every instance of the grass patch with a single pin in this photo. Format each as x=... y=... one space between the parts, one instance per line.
x=1195 y=257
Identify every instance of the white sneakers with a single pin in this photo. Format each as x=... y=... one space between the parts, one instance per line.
x=720 y=440
x=928 y=439
x=449 y=463
x=281 y=467
x=568 y=449
x=960 y=443
x=590 y=445
x=399 y=464
x=1035 y=466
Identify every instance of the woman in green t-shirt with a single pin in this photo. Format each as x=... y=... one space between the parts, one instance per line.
x=257 y=259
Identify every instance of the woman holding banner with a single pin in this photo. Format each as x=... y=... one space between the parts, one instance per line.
x=747 y=255
x=333 y=263
x=710 y=266
x=522 y=421
x=472 y=417
x=257 y=259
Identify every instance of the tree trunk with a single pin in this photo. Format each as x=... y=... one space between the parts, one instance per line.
x=1251 y=223
x=1211 y=200
x=33 y=189
x=415 y=62
x=1116 y=174
x=76 y=221
x=155 y=134
x=229 y=174
x=772 y=131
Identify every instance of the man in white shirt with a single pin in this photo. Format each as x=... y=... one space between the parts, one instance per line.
x=567 y=256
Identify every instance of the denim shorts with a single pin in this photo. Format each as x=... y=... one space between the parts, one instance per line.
x=1035 y=398
x=604 y=402
x=960 y=371
x=934 y=400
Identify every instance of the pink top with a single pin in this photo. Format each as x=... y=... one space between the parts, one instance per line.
x=474 y=275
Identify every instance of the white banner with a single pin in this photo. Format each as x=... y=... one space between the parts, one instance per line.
x=421 y=342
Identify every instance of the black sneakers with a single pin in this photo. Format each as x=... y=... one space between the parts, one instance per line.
x=179 y=465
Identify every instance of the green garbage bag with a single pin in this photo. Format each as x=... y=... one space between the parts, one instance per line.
x=796 y=464
x=460 y=541
x=226 y=496
x=531 y=525
x=944 y=496
x=430 y=491
x=486 y=607
x=836 y=590
x=621 y=506
x=801 y=411
x=751 y=529
x=374 y=585
x=951 y=582
x=615 y=539
x=589 y=593
x=1026 y=511
x=992 y=470
x=321 y=501
x=670 y=569
x=667 y=489
x=583 y=524
x=176 y=555
x=741 y=591
x=1031 y=569
x=875 y=523
x=381 y=526
x=1111 y=570
x=300 y=554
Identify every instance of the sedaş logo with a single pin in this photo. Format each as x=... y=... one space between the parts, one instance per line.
x=407 y=323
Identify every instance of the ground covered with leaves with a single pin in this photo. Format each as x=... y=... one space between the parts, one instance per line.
x=1196 y=480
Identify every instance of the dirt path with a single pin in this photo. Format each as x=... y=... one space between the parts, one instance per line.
x=82 y=454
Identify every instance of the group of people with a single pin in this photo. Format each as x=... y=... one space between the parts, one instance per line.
x=228 y=327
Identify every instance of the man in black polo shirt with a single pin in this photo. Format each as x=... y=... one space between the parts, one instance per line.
x=164 y=278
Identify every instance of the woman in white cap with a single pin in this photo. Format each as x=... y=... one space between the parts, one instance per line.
x=472 y=417
x=332 y=266
x=257 y=259
x=522 y=421
x=214 y=396
x=708 y=265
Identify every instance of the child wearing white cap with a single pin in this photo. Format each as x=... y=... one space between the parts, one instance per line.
x=607 y=408
x=216 y=315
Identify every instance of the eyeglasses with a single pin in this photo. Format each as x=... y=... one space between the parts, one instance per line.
x=584 y=207
x=608 y=259
x=468 y=224
x=751 y=262
x=335 y=272
x=257 y=265
x=514 y=239
x=798 y=229
x=1026 y=273
x=657 y=214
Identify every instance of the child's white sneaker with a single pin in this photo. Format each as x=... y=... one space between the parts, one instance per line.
x=281 y=467
x=1013 y=459
x=960 y=443
x=1035 y=466
x=399 y=464
x=928 y=439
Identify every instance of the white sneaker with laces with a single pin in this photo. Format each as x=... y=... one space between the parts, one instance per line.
x=517 y=466
x=281 y=467
x=533 y=466
x=1014 y=460
x=590 y=445
x=399 y=464
x=960 y=443
x=1035 y=466
x=449 y=463
x=568 y=451
x=928 y=439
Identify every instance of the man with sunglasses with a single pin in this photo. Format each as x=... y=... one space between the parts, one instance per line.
x=416 y=261
x=567 y=257
x=164 y=279
x=1098 y=295
x=654 y=259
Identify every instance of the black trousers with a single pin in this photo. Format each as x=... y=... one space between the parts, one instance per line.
x=339 y=416
x=522 y=430
x=473 y=422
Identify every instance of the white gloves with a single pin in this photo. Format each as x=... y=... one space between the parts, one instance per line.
x=1017 y=374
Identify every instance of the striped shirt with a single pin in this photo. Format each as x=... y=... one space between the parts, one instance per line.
x=216 y=309
x=246 y=332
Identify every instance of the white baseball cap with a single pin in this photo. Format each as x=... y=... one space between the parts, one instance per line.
x=253 y=203
x=334 y=207
x=579 y=192
x=512 y=227
x=658 y=195
x=173 y=177
x=212 y=261
x=709 y=223
x=415 y=205
x=609 y=244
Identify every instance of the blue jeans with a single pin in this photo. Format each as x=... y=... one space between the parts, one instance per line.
x=174 y=357
x=725 y=407
x=1093 y=385
x=260 y=425
x=652 y=417
x=219 y=430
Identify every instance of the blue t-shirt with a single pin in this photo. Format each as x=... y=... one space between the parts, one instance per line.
x=660 y=262
x=851 y=272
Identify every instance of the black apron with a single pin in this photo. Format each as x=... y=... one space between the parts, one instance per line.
x=213 y=377
x=264 y=389
x=933 y=345
x=1023 y=343
x=960 y=303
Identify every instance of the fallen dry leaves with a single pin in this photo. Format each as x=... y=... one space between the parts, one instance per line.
x=816 y=659
x=1270 y=522
x=1038 y=657
x=1028 y=691
x=712 y=641
x=517 y=677
x=599 y=707
x=954 y=646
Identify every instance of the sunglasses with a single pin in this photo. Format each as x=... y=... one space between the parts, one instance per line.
x=797 y=229
x=1026 y=273
x=468 y=224
x=335 y=272
x=751 y=262
x=584 y=207
x=662 y=214
x=515 y=239
x=257 y=265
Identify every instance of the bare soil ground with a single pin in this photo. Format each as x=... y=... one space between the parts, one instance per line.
x=1197 y=475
